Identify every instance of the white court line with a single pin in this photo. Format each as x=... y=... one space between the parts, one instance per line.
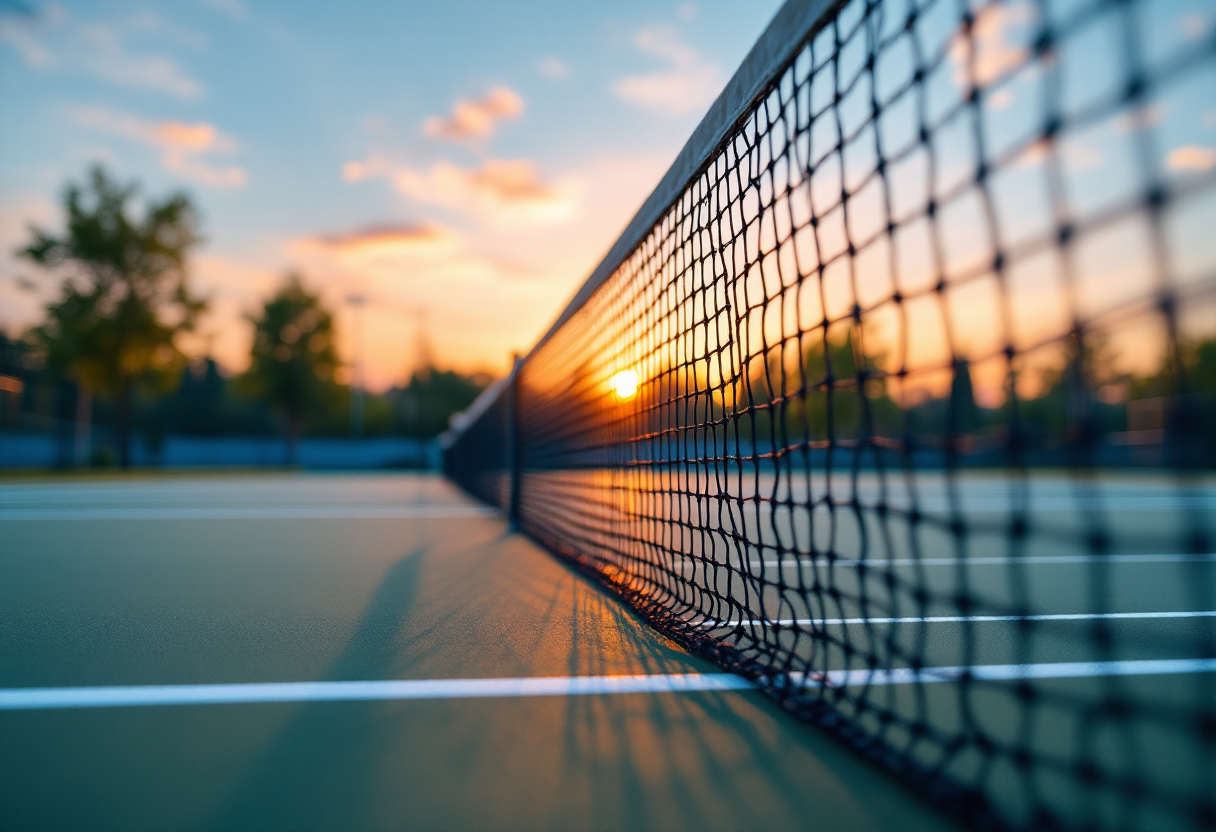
x=957 y=619
x=23 y=699
x=1003 y=672
x=1037 y=504
x=105 y=697
x=997 y=560
x=244 y=513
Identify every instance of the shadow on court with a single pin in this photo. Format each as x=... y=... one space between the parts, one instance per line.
x=699 y=761
x=317 y=770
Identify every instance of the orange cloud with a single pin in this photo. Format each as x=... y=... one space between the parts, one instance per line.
x=502 y=189
x=1191 y=157
x=392 y=241
x=180 y=144
x=185 y=136
x=476 y=118
x=688 y=84
x=509 y=190
x=372 y=167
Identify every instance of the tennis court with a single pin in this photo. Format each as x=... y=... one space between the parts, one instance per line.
x=148 y=627
x=142 y=593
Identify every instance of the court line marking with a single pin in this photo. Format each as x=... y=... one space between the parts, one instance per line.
x=23 y=699
x=956 y=619
x=1003 y=672
x=101 y=697
x=256 y=513
x=1038 y=504
x=997 y=560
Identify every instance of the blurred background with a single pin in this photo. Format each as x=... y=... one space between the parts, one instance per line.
x=289 y=233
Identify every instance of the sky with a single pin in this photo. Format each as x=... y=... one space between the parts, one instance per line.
x=465 y=165
x=461 y=165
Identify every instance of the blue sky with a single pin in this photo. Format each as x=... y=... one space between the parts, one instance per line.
x=466 y=161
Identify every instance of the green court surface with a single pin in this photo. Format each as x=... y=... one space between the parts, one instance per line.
x=265 y=579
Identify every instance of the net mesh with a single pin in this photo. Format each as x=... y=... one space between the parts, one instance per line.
x=903 y=407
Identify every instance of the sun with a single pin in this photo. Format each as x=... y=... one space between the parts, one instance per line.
x=624 y=384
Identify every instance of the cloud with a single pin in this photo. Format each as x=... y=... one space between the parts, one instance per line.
x=380 y=242
x=358 y=171
x=499 y=189
x=476 y=118
x=554 y=68
x=505 y=190
x=55 y=40
x=107 y=57
x=687 y=85
x=190 y=137
x=224 y=178
x=180 y=144
x=1191 y=157
x=987 y=52
x=167 y=135
x=392 y=252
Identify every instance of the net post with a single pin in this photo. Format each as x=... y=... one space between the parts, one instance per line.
x=513 y=442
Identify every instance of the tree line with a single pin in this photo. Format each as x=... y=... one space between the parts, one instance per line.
x=108 y=347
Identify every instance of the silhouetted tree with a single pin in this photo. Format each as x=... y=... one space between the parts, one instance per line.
x=293 y=357
x=123 y=297
x=427 y=403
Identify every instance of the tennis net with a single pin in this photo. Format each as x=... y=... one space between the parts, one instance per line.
x=897 y=397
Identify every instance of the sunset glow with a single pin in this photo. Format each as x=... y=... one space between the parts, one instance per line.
x=624 y=384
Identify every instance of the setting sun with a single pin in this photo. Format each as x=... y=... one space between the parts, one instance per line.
x=624 y=384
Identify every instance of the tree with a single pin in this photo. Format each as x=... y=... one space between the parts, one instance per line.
x=123 y=295
x=293 y=356
x=430 y=398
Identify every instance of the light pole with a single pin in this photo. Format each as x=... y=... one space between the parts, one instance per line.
x=356 y=303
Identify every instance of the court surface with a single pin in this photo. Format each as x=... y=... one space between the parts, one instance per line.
x=222 y=620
